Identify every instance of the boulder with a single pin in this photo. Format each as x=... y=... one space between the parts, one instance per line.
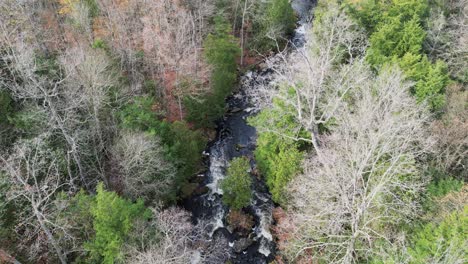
x=242 y=244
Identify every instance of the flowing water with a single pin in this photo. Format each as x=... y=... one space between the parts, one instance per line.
x=236 y=138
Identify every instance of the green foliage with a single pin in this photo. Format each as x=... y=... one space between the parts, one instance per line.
x=442 y=183
x=140 y=54
x=221 y=52
x=6 y=108
x=276 y=25
x=221 y=49
x=7 y=212
x=150 y=87
x=6 y=111
x=48 y=66
x=407 y=9
x=395 y=38
x=93 y=7
x=138 y=115
x=185 y=151
x=78 y=211
x=99 y=44
x=278 y=158
x=326 y=16
x=281 y=14
x=444 y=186
x=74 y=212
x=266 y=23
x=398 y=37
x=431 y=79
x=236 y=186
x=431 y=87
x=29 y=121
x=441 y=243
x=182 y=146
x=368 y=12
x=113 y=219
x=3 y=198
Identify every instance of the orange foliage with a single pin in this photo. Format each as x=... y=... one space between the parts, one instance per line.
x=174 y=112
x=99 y=28
x=51 y=25
x=240 y=221
x=66 y=6
x=284 y=231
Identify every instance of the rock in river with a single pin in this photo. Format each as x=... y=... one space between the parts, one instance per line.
x=242 y=244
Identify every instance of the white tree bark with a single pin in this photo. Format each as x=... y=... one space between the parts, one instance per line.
x=367 y=179
x=34 y=178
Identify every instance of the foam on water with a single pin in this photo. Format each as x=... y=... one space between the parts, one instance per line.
x=218 y=165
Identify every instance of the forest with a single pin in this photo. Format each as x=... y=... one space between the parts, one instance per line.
x=234 y=131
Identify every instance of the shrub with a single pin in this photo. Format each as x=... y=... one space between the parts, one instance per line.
x=444 y=242
x=442 y=183
x=93 y=7
x=99 y=44
x=444 y=186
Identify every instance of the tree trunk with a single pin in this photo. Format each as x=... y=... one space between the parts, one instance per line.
x=50 y=237
x=242 y=33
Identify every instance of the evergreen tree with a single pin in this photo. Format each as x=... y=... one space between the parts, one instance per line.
x=182 y=146
x=276 y=25
x=221 y=51
x=236 y=186
x=278 y=158
x=113 y=219
x=398 y=38
x=442 y=243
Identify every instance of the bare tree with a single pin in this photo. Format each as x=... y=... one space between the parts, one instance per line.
x=34 y=179
x=451 y=133
x=47 y=91
x=201 y=11
x=170 y=33
x=447 y=36
x=90 y=77
x=310 y=81
x=142 y=166
x=366 y=180
x=174 y=243
x=73 y=98
x=79 y=13
x=37 y=21
x=179 y=241
x=248 y=5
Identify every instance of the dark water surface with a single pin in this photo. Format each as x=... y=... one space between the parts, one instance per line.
x=236 y=138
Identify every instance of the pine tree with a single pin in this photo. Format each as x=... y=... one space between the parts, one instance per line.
x=237 y=184
x=113 y=220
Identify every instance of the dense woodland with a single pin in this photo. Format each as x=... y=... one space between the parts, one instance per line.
x=107 y=105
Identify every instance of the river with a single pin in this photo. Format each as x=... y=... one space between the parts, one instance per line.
x=236 y=138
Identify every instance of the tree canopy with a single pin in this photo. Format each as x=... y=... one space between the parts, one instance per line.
x=237 y=185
